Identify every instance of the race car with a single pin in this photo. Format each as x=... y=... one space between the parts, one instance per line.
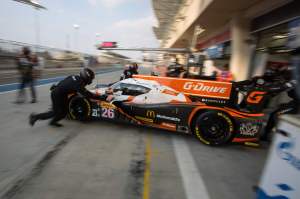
x=207 y=109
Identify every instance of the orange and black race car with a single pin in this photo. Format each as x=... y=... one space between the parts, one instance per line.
x=208 y=109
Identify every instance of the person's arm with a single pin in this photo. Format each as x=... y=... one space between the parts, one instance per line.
x=83 y=91
x=104 y=97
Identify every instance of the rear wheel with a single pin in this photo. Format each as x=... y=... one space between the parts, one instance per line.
x=213 y=128
x=79 y=108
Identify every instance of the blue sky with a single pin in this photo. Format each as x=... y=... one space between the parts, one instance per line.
x=128 y=22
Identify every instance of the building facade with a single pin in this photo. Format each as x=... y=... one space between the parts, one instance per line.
x=249 y=36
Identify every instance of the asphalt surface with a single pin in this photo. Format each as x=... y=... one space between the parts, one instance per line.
x=107 y=160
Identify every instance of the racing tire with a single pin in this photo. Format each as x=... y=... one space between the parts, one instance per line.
x=213 y=128
x=79 y=108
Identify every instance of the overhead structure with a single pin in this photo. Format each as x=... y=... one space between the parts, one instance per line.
x=228 y=32
x=31 y=3
x=166 y=12
x=170 y=50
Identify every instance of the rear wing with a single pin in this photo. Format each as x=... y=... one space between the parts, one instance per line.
x=202 y=88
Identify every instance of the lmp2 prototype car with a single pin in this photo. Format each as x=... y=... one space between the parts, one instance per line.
x=207 y=109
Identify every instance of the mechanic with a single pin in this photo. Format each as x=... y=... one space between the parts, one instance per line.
x=290 y=107
x=131 y=70
x=59 y=96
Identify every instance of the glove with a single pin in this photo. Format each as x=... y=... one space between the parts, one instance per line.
x=53 y=87
x=109 y=98
x=291 y=84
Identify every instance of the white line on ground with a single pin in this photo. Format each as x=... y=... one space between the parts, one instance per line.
x=192 y=181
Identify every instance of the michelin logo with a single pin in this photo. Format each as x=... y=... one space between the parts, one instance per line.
x=168 y=118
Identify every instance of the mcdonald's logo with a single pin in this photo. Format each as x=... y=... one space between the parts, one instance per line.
x=150 y=114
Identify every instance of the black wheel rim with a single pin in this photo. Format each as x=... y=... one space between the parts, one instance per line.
x=214 y=129
x=78 y=109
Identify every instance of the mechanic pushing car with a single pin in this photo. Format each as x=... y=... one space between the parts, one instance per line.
x=59 y=96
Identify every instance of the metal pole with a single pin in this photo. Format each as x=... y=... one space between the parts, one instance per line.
x=37 y=29
x=76 y=28
x=68 y=42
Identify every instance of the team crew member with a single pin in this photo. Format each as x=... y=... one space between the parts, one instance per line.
x=59 y=96
x=225 y=75
x=26 y=63
x=130 y=71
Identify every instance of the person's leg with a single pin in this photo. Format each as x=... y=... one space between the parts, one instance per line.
x=286 y=108
x=270 y=125
x=33 y=91
x=46 y=115
x=43 y=116
x=60 y=111
x=21 y=93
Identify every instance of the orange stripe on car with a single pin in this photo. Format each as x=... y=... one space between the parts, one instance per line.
x=245 y=139
x=130 y=98
x=247 y=114
x=170 y=92
x=130 y=117
x=195 y=110
x=161 y=126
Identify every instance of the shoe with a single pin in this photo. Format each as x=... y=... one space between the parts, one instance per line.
x=56 y=124
x=33 y=101
x=19 y=102
x=32 y=119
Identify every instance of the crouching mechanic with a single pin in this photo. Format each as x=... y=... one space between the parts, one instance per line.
x=59 y=96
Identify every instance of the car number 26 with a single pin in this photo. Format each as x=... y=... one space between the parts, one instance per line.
x=108 y=113
x=104 y=113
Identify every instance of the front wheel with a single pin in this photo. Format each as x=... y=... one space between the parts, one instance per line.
x=79 y=108
x=213 y=128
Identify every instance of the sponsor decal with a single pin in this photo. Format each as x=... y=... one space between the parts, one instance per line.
x=168 y=118
x=249 y=129
x=169 y=125
x=213 y=101
x=96 y=112
x=150 y=114
x=255 y=97
x=106 y=105
x=104 y=112
x=204 y=88
x=108 y=113
x=148 y=120
x=285 y=152
x=199 y=86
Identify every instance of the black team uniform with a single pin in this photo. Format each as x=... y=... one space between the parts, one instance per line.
x=59 y=96
x=132 y=70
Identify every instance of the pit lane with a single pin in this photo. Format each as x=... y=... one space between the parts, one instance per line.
x=107 y=160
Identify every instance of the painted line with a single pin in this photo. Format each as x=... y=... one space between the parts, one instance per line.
x=6 y=88
x=192 y=181
x=148 y=153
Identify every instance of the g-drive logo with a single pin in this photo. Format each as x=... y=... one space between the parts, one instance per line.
x=284 y=151
x=197 y=86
